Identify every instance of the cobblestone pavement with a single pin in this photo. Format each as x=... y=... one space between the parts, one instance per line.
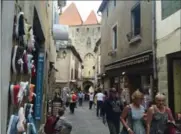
x=85 y=121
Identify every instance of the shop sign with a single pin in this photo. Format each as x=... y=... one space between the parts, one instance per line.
x=39 y=86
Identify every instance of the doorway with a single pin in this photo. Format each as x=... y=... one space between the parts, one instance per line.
x=174 y=81
x=177 y=85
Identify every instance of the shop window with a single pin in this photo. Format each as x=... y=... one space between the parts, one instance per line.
x=136 y=19
x=170 y=7
x=114 y=45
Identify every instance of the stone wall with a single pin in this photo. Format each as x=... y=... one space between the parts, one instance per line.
x=162 y=75
x=79 y=36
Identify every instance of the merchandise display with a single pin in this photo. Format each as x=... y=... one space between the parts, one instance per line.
x=22 y=91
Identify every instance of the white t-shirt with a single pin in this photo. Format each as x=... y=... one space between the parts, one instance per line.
x=91 y=97
x=100 y=96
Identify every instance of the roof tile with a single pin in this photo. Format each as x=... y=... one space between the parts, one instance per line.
x=71 y=16
x=91 y=19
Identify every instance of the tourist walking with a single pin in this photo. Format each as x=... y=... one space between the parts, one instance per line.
x=111 y=112
x=158 y=116
x=91 y=100
x=100 y=98
x=73 y=99
x=80 y=98
x=133 y=116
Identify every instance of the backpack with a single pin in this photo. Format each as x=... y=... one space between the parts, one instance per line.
x=50 y=124
x=74 y=97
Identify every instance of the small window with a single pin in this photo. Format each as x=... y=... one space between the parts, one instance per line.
x=87 y=29
x=77 y=29
x=136 y=20
x=170 y=7
x=88 y=42
x=107 y=11
x=114 y=38
x=98 y=29
x=114 y=2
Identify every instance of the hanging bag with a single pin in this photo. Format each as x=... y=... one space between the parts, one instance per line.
x=171 y=128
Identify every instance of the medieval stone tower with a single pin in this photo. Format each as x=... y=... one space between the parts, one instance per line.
x=84 y=36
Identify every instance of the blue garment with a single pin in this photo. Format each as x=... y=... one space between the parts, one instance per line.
x=137 y=120
x=31 y=125
x=12 y=127
x=80 y=95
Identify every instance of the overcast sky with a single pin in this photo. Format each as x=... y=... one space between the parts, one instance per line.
x=85 y=7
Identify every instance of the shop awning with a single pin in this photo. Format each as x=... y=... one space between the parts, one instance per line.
x=60 y=32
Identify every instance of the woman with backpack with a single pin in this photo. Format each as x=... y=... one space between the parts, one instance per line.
x=57 y=124
x=73 y=100
x=62 y=126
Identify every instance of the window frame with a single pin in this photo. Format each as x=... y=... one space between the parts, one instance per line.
x=163 y=16
x=133 y=20
x=107 y=11
x=115 y=36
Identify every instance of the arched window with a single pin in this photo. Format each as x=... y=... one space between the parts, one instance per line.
x=88 y=42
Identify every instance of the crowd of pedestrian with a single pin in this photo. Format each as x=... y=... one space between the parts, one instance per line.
x=123 y=113
x=137 y=115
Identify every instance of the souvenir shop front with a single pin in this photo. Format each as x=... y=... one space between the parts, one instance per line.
x=27 y=69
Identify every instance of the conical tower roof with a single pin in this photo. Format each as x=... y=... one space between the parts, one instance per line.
x=91 y=19
x=70 y=16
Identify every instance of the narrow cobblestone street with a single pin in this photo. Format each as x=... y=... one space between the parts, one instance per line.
x=85 y=121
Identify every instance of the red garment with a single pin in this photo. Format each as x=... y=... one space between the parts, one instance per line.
x=50 y=124
x=74 y=97
x=33 y=71
x=15 y=94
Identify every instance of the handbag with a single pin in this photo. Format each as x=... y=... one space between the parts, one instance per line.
x=171 y=129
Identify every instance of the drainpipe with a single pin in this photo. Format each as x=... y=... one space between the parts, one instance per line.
x=154 y=46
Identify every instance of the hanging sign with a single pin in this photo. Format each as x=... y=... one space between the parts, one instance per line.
x=39 y=86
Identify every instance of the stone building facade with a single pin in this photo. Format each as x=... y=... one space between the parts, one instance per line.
x=38 y=14
x=168 y=51
x=84 y=39
x=84 y=36
x=68 y=65
x=126 y=43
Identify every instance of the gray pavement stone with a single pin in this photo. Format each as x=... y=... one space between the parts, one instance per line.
x=85 y=121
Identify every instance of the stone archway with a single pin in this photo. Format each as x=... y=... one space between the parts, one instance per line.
x=87 y=85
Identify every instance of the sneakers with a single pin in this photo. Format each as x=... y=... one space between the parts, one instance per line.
x=20 y=125
x=14 y=58
x=22 y=91
x=31 y=40
x=29 y=57
x=31 y=92
x=20 y=25
x=17 y=61
x=25 y=60
x=33 y=70
x=12 y=127
x=14 y=90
